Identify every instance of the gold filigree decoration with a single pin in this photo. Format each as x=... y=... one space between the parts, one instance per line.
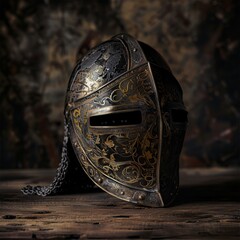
x=127 y=156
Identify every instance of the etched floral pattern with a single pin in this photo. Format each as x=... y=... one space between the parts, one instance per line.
x=128 y=154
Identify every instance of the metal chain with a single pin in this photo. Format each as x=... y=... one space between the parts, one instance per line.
x=69 y=176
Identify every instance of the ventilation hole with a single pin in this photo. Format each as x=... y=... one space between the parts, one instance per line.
x=117 y=119
x=179 y=115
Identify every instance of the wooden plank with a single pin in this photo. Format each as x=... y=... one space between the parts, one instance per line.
x=207 y=207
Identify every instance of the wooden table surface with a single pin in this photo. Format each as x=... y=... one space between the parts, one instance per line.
x=207 y=207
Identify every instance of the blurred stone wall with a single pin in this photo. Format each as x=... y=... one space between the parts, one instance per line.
x=40 y=42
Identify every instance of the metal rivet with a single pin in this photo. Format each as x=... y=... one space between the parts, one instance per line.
x=122 y=192
x=134 y=49
x=141 y=197
x=100 y=180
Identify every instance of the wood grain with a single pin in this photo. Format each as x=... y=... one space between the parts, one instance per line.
x=207 y=207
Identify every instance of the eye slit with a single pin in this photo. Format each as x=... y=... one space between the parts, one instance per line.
x=116 y=119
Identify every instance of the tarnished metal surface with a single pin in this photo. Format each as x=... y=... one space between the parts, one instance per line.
x=126 y=154
x=124 y=159
x=126 y=120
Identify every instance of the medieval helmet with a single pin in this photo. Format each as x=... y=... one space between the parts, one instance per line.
x=126 y=121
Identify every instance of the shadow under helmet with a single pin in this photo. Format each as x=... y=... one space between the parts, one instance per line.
x=126 y=121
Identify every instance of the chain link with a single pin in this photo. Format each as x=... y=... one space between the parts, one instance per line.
x=69 y=175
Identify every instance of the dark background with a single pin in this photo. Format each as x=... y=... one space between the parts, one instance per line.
x=40 y=42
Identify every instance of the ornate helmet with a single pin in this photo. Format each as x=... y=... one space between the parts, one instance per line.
x=126 y=122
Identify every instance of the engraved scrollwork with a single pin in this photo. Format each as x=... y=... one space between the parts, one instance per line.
x=131 y=174
x=116 y=94
x=97 y=68
x=76 y=115
x=127 y=156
